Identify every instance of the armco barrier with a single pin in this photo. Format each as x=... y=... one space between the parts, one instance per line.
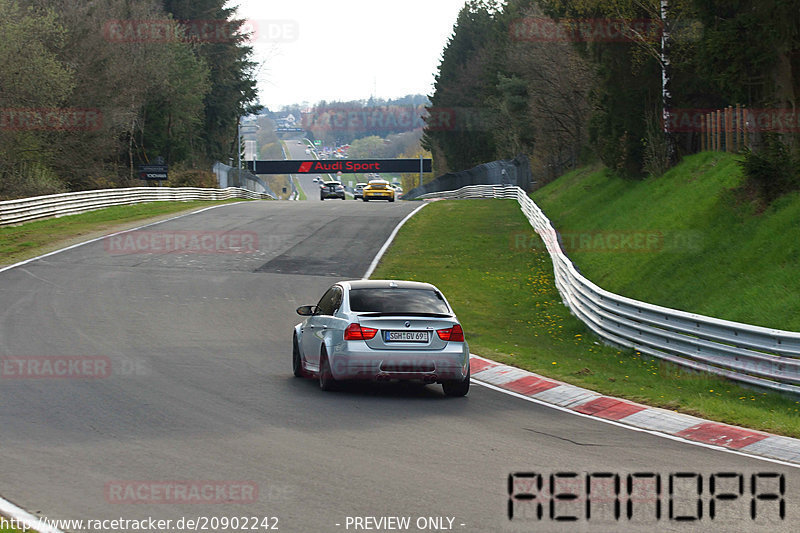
x=751 y=354
x=515 y=172
x=27 y=209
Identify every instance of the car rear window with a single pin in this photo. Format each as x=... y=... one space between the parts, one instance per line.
x=397 y=301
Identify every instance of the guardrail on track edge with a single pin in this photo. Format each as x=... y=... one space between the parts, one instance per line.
x=754 y=355
x=55 y=205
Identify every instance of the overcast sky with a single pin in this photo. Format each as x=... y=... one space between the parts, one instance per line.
x=312 y=50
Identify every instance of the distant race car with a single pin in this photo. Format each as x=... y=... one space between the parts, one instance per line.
x=358 y=192
x=331 y=189
x=382 y=330
x=378 y=190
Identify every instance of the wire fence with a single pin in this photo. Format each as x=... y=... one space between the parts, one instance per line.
x=727 y=130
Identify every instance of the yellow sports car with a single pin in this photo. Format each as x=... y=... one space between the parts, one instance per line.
x=378 y=190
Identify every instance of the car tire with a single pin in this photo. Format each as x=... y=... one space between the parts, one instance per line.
x=365 y=199
x=391 y=199
x=456 y=388
x=326 y=380
x=297 y=362
x=321 y=198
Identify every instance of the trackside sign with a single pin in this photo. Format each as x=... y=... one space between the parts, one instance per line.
x=153 y=172
x=345 y=166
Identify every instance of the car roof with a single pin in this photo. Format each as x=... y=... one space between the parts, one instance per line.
x=386 y=284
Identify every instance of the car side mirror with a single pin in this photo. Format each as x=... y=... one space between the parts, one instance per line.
x=306 y=310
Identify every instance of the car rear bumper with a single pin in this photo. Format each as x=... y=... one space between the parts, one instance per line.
x=353 y=360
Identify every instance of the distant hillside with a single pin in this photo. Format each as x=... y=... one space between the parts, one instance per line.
x=343 y=122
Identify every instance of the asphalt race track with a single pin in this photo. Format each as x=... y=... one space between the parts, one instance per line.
x=200 y=390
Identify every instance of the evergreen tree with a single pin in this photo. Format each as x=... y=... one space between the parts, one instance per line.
x=467 y=78
x=232 y=91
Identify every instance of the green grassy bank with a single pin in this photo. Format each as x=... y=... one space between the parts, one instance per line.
x=506 y=299
x=712 y=252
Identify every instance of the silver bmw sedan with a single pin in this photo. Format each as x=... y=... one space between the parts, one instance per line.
x=382 y=330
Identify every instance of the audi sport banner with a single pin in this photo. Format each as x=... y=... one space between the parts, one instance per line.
x=345 y=166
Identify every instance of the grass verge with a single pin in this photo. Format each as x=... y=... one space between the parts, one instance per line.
x=18 y=243
x=279 y=182
x=301 y=194
x=506 y=299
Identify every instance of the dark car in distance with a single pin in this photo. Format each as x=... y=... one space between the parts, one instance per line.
x=331 y=189
x=358 y=192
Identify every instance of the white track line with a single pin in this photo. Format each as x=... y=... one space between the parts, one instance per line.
x=388 y=242
x=632 y=428
x=6 y=507
x=15 y=265
x=24 y=517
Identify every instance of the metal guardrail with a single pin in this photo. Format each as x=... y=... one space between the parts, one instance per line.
x=516 y=172
x=27 y=209
x=754 y=355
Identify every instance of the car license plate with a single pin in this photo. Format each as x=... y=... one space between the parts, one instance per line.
x=406 y=336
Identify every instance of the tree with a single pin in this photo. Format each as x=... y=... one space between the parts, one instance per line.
x=173 y=116
x=33 y=81
x=466 y=79
x=628 y=74
x=545 y=98
x=751 y=48
x=117 y=74
x=232 y=92
x=367 y=148
x=146 y=77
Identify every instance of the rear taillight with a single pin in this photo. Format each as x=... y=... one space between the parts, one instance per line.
x=454 y=334
x=355 y=332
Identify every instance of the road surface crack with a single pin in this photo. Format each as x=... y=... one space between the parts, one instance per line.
x=564 y=438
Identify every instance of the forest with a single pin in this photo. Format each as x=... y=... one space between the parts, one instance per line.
x=91 y=90
x=568 y=82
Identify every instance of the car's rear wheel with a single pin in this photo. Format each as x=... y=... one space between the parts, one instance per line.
x=297 y=362
x=326 y=380
x=321 y=198
x=365 y=199
x=391 y=199
x=456 y=388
